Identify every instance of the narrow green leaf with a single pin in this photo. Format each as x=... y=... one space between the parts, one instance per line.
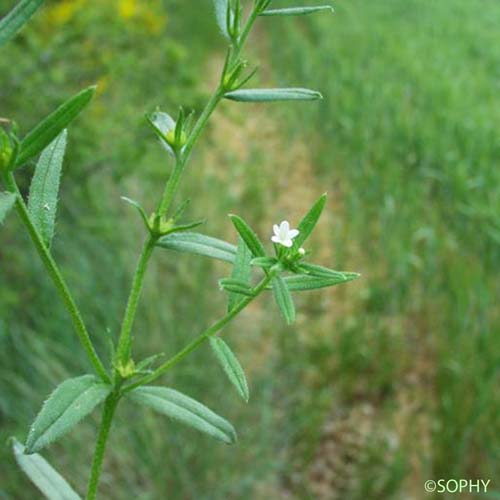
x=73 y=400
x=231 y=366
x=187 y=226
x=147 y=362
x=272 y=95
x=237 y=287
x=199 y=244
x=43 y=475
x=248 y=235
x=221 y=8
x=7 y=201
x=264 y=262
x=17 y=18
x=304 y=283
x=320 y=271
x=44 y=189
x=308 y=223
x=47 y=130
x=241 y=271
x=297 y=11
x=139 y=208
x=184 y=409
x=283 y=299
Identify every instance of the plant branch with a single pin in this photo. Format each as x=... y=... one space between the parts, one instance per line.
x=212 y=330
x=57 y=279
x=124 y=343
x=102 y=439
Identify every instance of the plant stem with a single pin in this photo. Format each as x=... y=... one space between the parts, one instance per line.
x=107 y=418
x=212 y=330
x=124 y=343
x=57 y=279
x=183 y=158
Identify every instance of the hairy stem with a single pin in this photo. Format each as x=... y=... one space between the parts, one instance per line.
x=212 y=330
x=57 y=278
x=124 y=344
x=102 y=439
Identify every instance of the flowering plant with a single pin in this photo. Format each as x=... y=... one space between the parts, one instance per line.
x=282 y=272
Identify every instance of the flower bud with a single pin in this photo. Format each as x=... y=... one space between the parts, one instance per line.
x=172 y=139
x=5 y=150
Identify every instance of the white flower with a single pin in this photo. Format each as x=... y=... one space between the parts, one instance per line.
x=283 y=235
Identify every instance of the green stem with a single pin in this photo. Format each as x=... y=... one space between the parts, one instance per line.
x=183 y=158
x=57 y=279
x=124 y=343
x=212 y=330
x=107 y=419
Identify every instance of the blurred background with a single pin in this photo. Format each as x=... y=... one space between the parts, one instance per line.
x=382 y=383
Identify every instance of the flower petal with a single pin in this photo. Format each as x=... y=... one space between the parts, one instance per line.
x=287 y=243
x=293 y=233
x=276 y=229
x=275 y=239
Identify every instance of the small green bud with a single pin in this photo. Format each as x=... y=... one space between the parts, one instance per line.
x=6 y=150
x=128 y=370
x=171 y=139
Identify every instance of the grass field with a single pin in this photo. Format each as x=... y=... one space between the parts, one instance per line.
x=382 y=384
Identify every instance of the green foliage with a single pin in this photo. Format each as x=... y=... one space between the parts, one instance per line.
x=231 y=366
x=44 y=189
x=17 y=18
x=308 y=223
x=273 y=95
x=304 y=283
x=297 y=11
x=48 y=129
x=242 y=271
x=43 y=475
x=72 y=401
x=199 y=244
x=7 y=201
x=248 y=235
x=222 y=12
x=283 y=299
x=76 y=398
x=186 y=410
x=236 y=287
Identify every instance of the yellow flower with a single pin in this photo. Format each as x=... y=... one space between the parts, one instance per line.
x=127 y=8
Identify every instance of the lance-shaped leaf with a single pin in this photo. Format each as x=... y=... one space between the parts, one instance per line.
x=17 y=18
x=44 y=188
x=237 y=287
x=248 y=235
x=184 y=409
x=242 y=271
x=283 y=299
x=139 y=209
x=319 y=271
x=273 y=95
x=7 y=201
x=221 y=12
x=43 y=475
x=264 y=262
x=305 y=283
x=297 y=11
x=308 y=223
x=199 y=244
x=73 y=400
x=231 y=366
x=47 y=130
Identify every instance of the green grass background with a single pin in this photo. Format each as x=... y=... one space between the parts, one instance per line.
x=382 y=384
